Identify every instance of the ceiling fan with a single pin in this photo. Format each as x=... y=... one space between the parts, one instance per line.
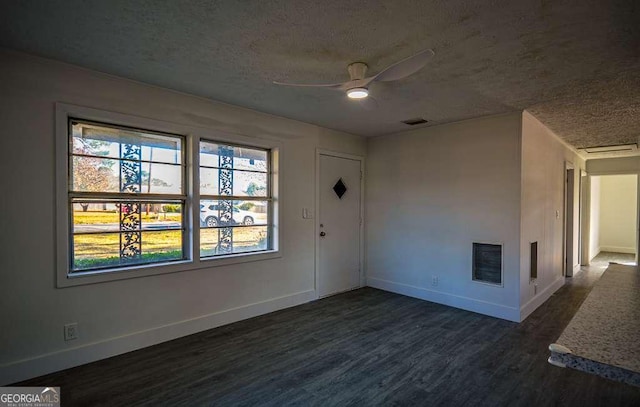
x=358 y=86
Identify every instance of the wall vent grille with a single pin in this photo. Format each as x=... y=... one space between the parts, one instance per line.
x=487 y=263
x=610 y=149
x=533 y=273
x=415 y=122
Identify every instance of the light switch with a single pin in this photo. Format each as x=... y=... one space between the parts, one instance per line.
x=306 y=213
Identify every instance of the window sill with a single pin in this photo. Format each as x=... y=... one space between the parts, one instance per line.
x=103 y=276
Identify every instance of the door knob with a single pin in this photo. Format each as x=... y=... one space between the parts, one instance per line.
x=322 y=234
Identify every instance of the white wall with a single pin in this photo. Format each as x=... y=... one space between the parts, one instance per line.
x=119 y=316
x=618 y=213
x=543 y=182
x=430 y=194
x=594 y=218
x=617 y=165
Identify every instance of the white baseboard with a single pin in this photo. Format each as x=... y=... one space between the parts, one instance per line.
x=541 y=297
x=466 y=303
x=618 y=249
x=52 y=362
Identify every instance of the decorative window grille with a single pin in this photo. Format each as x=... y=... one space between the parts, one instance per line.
x=126 y=196
x=236 y=203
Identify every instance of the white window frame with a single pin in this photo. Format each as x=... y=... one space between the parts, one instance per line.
x=192 y=134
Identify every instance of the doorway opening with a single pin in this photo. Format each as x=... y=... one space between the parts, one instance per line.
x=571 y=228
x=613 y=234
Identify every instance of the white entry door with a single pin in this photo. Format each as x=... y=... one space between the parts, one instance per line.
x=339 y=225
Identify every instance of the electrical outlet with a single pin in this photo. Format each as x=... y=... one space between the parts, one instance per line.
x=434 y=281
x=71 y=331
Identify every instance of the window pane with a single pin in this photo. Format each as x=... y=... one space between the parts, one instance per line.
x=162 y=246
x=249 y=239
x=161 y=216
x=102 y=250
x=244 y=239
x=119 y=233
x=92 y=174
x=96 y=251
x=251 y=212
x=95 y=146
x=231 y=213
x=244 y=183
x=208 y=242
x=209 y=181
x=98 y=216
x=156 y=152
x=93 y=217
x=249 y=183
x=161 y=179
x=150 y=178
x=215 y=213
x=108 y=159
x=105 y=141
x=242 y=158
x=209 y=154
x=250 y=159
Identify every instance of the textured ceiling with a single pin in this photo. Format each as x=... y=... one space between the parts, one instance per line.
x=573 y=64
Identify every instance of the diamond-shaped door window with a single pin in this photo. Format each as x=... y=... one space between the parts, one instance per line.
x=340 y=188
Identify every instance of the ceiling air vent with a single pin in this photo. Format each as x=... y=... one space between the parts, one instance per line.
x=622 y=148
x=414 y=122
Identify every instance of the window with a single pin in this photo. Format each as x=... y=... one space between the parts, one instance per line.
x=126 y=196
x=139 y=197
x=235 y=199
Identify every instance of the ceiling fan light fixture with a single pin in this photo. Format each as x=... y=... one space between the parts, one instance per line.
x=358 y=93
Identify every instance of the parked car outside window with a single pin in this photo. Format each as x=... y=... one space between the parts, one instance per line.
x=210 y=216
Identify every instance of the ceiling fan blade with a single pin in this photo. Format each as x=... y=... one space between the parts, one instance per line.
x=311 y=85
x=405 y=67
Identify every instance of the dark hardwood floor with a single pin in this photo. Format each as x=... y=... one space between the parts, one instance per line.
x=366 y=347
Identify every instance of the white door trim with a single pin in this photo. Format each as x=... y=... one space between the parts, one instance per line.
x=586 y=232
x=585 y=228
x=320 y=152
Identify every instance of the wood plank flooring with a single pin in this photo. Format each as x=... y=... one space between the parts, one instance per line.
x=603 y=258
x=362 y=348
